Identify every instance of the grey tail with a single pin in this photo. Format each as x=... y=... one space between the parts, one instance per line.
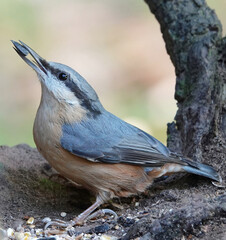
x=201 y=169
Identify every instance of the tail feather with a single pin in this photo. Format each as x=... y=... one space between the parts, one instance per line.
x=201 y=169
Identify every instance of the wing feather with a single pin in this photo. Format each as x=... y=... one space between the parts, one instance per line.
x=109 y=139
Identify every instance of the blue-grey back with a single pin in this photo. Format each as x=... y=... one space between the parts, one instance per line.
x=107 y=138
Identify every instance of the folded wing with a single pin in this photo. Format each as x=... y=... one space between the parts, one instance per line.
x=109 y=139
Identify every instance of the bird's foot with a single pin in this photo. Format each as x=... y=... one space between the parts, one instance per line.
x=60 y=223
x=101 y=213
x=80 y=220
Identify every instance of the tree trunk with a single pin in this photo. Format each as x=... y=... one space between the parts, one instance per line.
x=193 y=38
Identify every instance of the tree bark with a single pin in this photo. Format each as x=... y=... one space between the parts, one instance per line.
x=193 y=38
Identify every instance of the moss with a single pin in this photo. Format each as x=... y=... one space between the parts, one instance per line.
x=182 y=89
x=168 y=137
x=1 y=166
x=51 y=187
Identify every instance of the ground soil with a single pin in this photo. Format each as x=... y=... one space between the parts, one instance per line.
x=179 y=207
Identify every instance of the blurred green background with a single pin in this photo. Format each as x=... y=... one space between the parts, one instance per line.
x=115 y=44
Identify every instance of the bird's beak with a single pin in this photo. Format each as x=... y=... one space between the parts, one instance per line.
x=37 y=64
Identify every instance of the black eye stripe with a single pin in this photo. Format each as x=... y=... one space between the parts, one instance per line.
x=47 y=66
x=83 y=97
x=58 y=73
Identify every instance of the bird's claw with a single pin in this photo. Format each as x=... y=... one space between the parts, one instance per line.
x=101 y=213
x=78 y=221
x=220 y=183
x=60 y=223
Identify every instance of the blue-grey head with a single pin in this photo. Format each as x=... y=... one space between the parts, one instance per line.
x=60 y=81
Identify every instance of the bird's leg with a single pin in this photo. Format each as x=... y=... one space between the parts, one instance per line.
x=83 y=216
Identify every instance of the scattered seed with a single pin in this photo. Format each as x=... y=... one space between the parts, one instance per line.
x=63 y=214
x=30 y=220
x=107 y=237
x=19 y=235
x=27 y=234
x=87 y=236
x=38 y=232
x=116 y=227
x=10 y=232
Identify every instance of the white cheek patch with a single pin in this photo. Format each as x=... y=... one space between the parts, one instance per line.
x=61 y=92
x=70 y=98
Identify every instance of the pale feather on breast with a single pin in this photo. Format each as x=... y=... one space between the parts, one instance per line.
x=50 y=117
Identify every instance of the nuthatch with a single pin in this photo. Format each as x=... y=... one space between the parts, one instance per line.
x=92 y=147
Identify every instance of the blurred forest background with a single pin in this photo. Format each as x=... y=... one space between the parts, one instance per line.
x=115 y=44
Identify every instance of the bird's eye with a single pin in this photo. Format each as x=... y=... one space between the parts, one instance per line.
x=63 y=76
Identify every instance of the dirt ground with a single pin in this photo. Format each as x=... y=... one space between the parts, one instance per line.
x=179 y=207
